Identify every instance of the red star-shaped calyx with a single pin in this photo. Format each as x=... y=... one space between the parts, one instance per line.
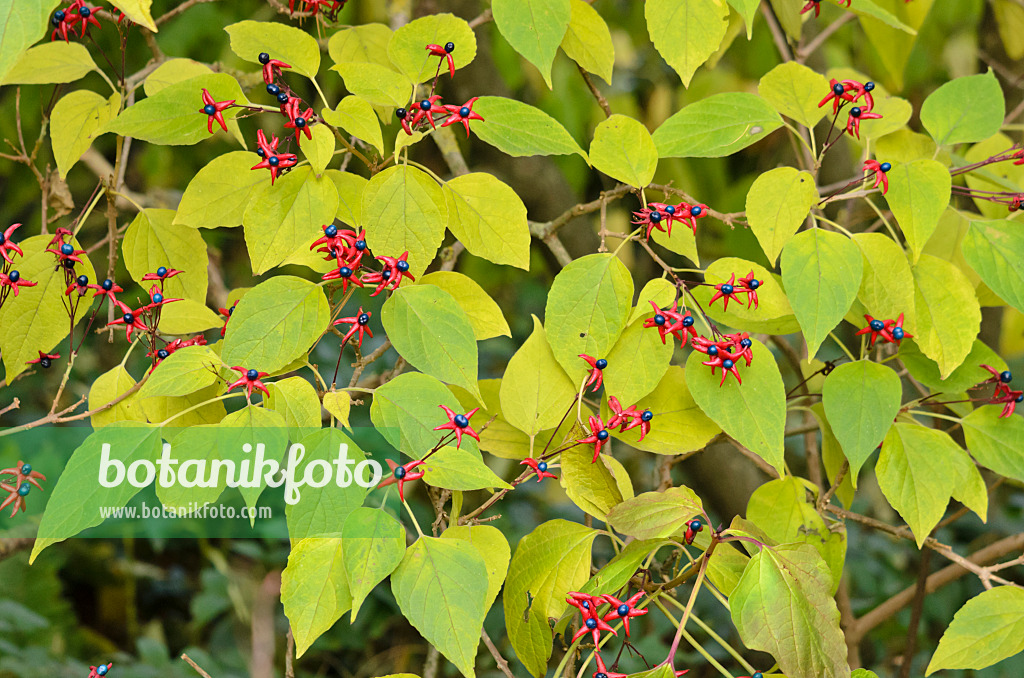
x=459 y=423
x=130 y=319
x=7 y=246
x=596 y=376
x=598 y=436
x=250 y=381
x=602 y=670
x=444 y=52
x=463 y=114
x=540 y=467
x=624 y=609
x=271 y=159
x=360 y=323
x=891 y=331
x=402 y=475
x=725 y=292
x=214 y=110
x=880 y=173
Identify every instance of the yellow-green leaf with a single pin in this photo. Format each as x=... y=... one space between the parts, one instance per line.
x=107 y=387
x=987 y=629
x=357 y=117
x=795 y=90
x=154 y=240
x=686 y=32
x=405 y=211
x=406 y=48
x=75 y=122
x=374 y=544
x=320 y=149
x=778 y=202
x=50 y=62
x=314 y=589
x=589 y=484
x=623 y=149
x=380 y=85
x=220 y=192
x=588 y=41
x=656 y=515
x=534 y=28
x=295 y=47
x=456 y=469
x=943 y=292
x=918 y=195
x=636 y=364
x=887 y=286
x=137 y=11
x=338 y=403
x=367 y=43
x=489 y=218
x=483 y=312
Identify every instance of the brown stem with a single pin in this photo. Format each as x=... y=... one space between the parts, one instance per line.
x=198 y=669
x=601 y=101
x=499 y=660
x=915 y=615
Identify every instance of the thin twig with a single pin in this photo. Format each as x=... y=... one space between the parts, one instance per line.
x=499 y=660
x=198 y=669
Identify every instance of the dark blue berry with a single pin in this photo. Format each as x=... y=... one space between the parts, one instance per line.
x=425 y=105
x=386 y=274
x=1006 y=377
x=67 y=250
x=158 y=298
x=400 y=472
x=402 y=266
x=1019 y=398
x=260 y=152
x=58 y=16
x=44 y=362
x=26 y=469
x=162 y=354
x=84 y=12
x=897 y=333
x=264 y=58
x=623 y=610
x=543 y=466
x=591 y=623
x=659 y=320
x=252 y=375
x=360 y=245
x=712 y=350
x=69 y=264
x=363 y=318
x=696 y=525
x=885 y=166
x=746 y=343
x=461 y=421
x=300 y=123
x=273 y=90
x=601 y=363
x=82 y=281
x=696 y=210
x=345 y=272
x=838 y=89
x=727 y=289
x=273 y=161
x=877 y=325
x=101 y=669
x=231 y=311
x=688 y=321
x=757 y=675
x=24 y=489
x=600 y=675
x=602 y=434
x=754 y=284
x=400 y=113
x=646 y=415
x=283 y=97
x=868 y=86
x=162 y=271
x=14 y=276
x=671 y=209
x=128 y=318
x=449 y=47
x=2 y=238
x=855 y=111
x=728 y=364
x=331 y=231
x=107 y=285
x=209 y=109
x=655 y=217
x=464 y=112
x=585 y=604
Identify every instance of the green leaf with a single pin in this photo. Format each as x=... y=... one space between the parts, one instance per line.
x=913 y=474
x=106 y=388
x=350 y=196
x=321 y=511
x=943 y=292
x=452 y=468
x=50 y=62
x=356 y=116
x=588 y=41
x=519 y=129
x=172 y=71
x=295 y=47
x=534 y=28
x=188 y=316
x=987 y=629
x=171 y=117
x=782 y=606
x=892 y=41
x=822 y=272
x=716 y=126
x=660 y=291
x=366 y=44
x=380 y=85
x=686 y=32
x=35 y=320
x=995 y=441
x=781 y=509
x=870 y=10
x=656 y=515
x=589 y=484
x=995 y=249
x=154 y=240
x=78 y=498
x=832 y=457
x=319 y=150
x=339 y=404
x=790 y=18
x=296 y=400
x=24 y=23
x=374 y=544
x=281 y=219
x=748 y=10
x=918 y=195
x=406 y=409
x=430 y=330
x=406 y=47
x=861 y=401
x=184 y=411
x=679 y=425
x=484 y=315
x=489 y=218
x=534 y=386
x=441 y=588
x=636 y=364
x=275 y=323
x=778 y=202
x=220 y=192
x=588 y=304
x=493 y=548
x=185 y=371
x=794 y=90
x=966 y=109
x=405 y=210
x=314 y=589
x=725 y=567
x=75 y=122
x=969 y=487
x=887 y=286
x=754 y=412
x=552 y=559
x=137 y=11
x=623 y=149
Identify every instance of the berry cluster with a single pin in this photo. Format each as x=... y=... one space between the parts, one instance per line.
x=21 y=485
x=329 y=8
x=402 y=475
x=747 y=285
x=725 y=353
x=891 y=331
x=660 y=216
x=851 y=91
x=414 y=116
x=76 y=14
x=1003 y=394
x=10 y=278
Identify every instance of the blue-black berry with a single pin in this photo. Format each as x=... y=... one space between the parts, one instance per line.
x=602 y=434
x=897 y=333
x=158 y=298
x=283 y=97
x=591 y=623
x=67 y=249
x=162 y=271
x=264 y=58
x=855 y=111
x=877 y=325
x=107 y=285
x=885 y=166
x=400 y=113
x=402 y=266
x=646 y=415
x=300 y=122
x=26 y=469
x=838 y=89
x=449 y=47
x=252 y=375
x=273 y=90
x=671 y=209
x=84 y=12
x=209 y=109
x=868 y=86
x=600 y=363
x=128 y=318
x=696 y=210
x=1006 y=377
x=659 y=319
x=345 y=272
x=162 y=354
x=464 y=112
x=712 y=350
x=728 y=364
x=655 y=217
x=425 y=105
x=44 y=362
x=24 y=489
x=696 y=525
x=754 y=284
x=461 y=421
x=273 y=161
x=363 y=319
x=360 y=245
x=746 y=343
x=688 y=321
x=727 y=288
x=400 y=472
x=14 y=276
x=543 y=466
x=623 y=610
x=58 y=16
x=331 y=231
